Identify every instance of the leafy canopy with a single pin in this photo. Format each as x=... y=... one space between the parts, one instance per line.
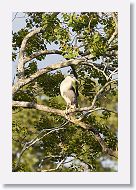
x=75 y=35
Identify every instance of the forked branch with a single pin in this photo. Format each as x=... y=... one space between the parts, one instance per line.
x=71 y=119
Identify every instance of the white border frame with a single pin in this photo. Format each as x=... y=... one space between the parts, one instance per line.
x=123 y=174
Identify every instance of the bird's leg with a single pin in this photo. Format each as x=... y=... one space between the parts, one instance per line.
x=67 y=109
x=72 y=108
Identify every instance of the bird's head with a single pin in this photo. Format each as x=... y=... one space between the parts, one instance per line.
x=72 y=79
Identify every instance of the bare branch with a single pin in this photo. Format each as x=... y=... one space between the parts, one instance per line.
x=48 y=158
x=15 y=16
x=57 y=167
x=96 y=68
x=13 y=81
x=42 y=52
x=21 y=60
x=56 y=111
x=38 y=107
x=104 y=109
x=26 y=38
x=113 y=73
x=89 y=111
x=35 y=140
x=48 y=110
x=100 y=91
x=83 y=161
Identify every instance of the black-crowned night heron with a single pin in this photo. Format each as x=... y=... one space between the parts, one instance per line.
x=68 y=92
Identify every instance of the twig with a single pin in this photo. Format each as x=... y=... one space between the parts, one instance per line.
x=113 y=73
x=15 y=16
x=36 y=139
x=13 y=81
x=54 y=169
x=99 y=70
x=98 y=93
x=83 y=161
x=96 y=109
x=48 y=157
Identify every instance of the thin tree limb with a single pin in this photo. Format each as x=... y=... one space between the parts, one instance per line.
x=113 y=73
x=26 y=38
x=36 y=139
x=99 y=92
x=48 y=158
x=99 y=70
x=83 y=161
x=21 y=60
x=15 y=16
x=41 y=52
x=57 y=167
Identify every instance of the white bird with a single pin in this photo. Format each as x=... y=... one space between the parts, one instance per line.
x=68 y=92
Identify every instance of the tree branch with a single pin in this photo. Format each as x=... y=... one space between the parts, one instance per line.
x=31 y=105
x=15 y=16
x=38 y=107
x=21 y=60
x=83 y=161
x=41 y=52
x=57 y=167
x=113 y=73
x=99 y=92
x=96 y=68
x=96 y=135
x=22 y=82
x=71 y=119
x=48 y=158
x=36 y=139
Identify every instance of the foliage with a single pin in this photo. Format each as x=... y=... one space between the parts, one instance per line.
x=75 y=35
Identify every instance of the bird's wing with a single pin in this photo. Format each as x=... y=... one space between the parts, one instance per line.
x=73 y=89
x=70 y=94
